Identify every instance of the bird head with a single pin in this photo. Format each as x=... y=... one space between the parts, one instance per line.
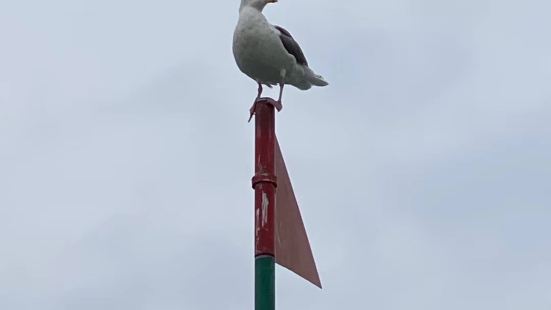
x=257 y=4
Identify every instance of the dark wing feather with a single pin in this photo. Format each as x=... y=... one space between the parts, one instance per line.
x=291 y=46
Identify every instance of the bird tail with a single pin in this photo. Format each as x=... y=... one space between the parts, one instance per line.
x=315 y=79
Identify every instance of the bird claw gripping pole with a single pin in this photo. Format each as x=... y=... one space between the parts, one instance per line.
x=264 y=184
x=275 y=104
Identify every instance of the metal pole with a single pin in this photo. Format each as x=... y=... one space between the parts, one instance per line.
x=264 y=185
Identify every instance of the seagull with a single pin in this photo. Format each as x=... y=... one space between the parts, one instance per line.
x=269 y=54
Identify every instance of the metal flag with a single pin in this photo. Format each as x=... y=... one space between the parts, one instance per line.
x=292 y=248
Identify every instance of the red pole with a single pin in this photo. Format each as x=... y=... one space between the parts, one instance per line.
x=264 y=184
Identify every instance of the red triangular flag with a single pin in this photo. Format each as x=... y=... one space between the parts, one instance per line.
x=292 y=248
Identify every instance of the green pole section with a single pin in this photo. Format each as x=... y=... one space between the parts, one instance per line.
x=264 y=283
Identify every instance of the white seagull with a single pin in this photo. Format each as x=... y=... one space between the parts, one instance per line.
x=268 y=54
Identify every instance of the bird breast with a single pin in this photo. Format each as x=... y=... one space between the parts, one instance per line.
x=258 y=50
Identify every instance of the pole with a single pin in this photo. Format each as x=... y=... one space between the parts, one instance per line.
x=264 y=185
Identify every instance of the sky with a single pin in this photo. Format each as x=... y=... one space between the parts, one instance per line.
x=423 y=170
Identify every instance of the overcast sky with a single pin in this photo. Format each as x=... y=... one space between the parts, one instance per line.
x=423 y=170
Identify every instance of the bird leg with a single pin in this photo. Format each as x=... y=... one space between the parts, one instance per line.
x=276 y=104
x=259 y=92
x=279 y=106
x=253 y=108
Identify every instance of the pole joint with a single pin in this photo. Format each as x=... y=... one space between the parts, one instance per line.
x=264 y=178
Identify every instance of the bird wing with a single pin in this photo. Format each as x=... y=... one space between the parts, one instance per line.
x=291 y=46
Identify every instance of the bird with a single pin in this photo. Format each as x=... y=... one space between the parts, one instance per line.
x=269 y=54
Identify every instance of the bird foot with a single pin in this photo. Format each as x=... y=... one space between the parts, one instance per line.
x=277 y=105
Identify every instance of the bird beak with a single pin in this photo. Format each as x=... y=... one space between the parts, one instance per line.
x=272 y=1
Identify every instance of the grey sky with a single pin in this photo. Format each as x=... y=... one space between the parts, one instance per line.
x=423 y=171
